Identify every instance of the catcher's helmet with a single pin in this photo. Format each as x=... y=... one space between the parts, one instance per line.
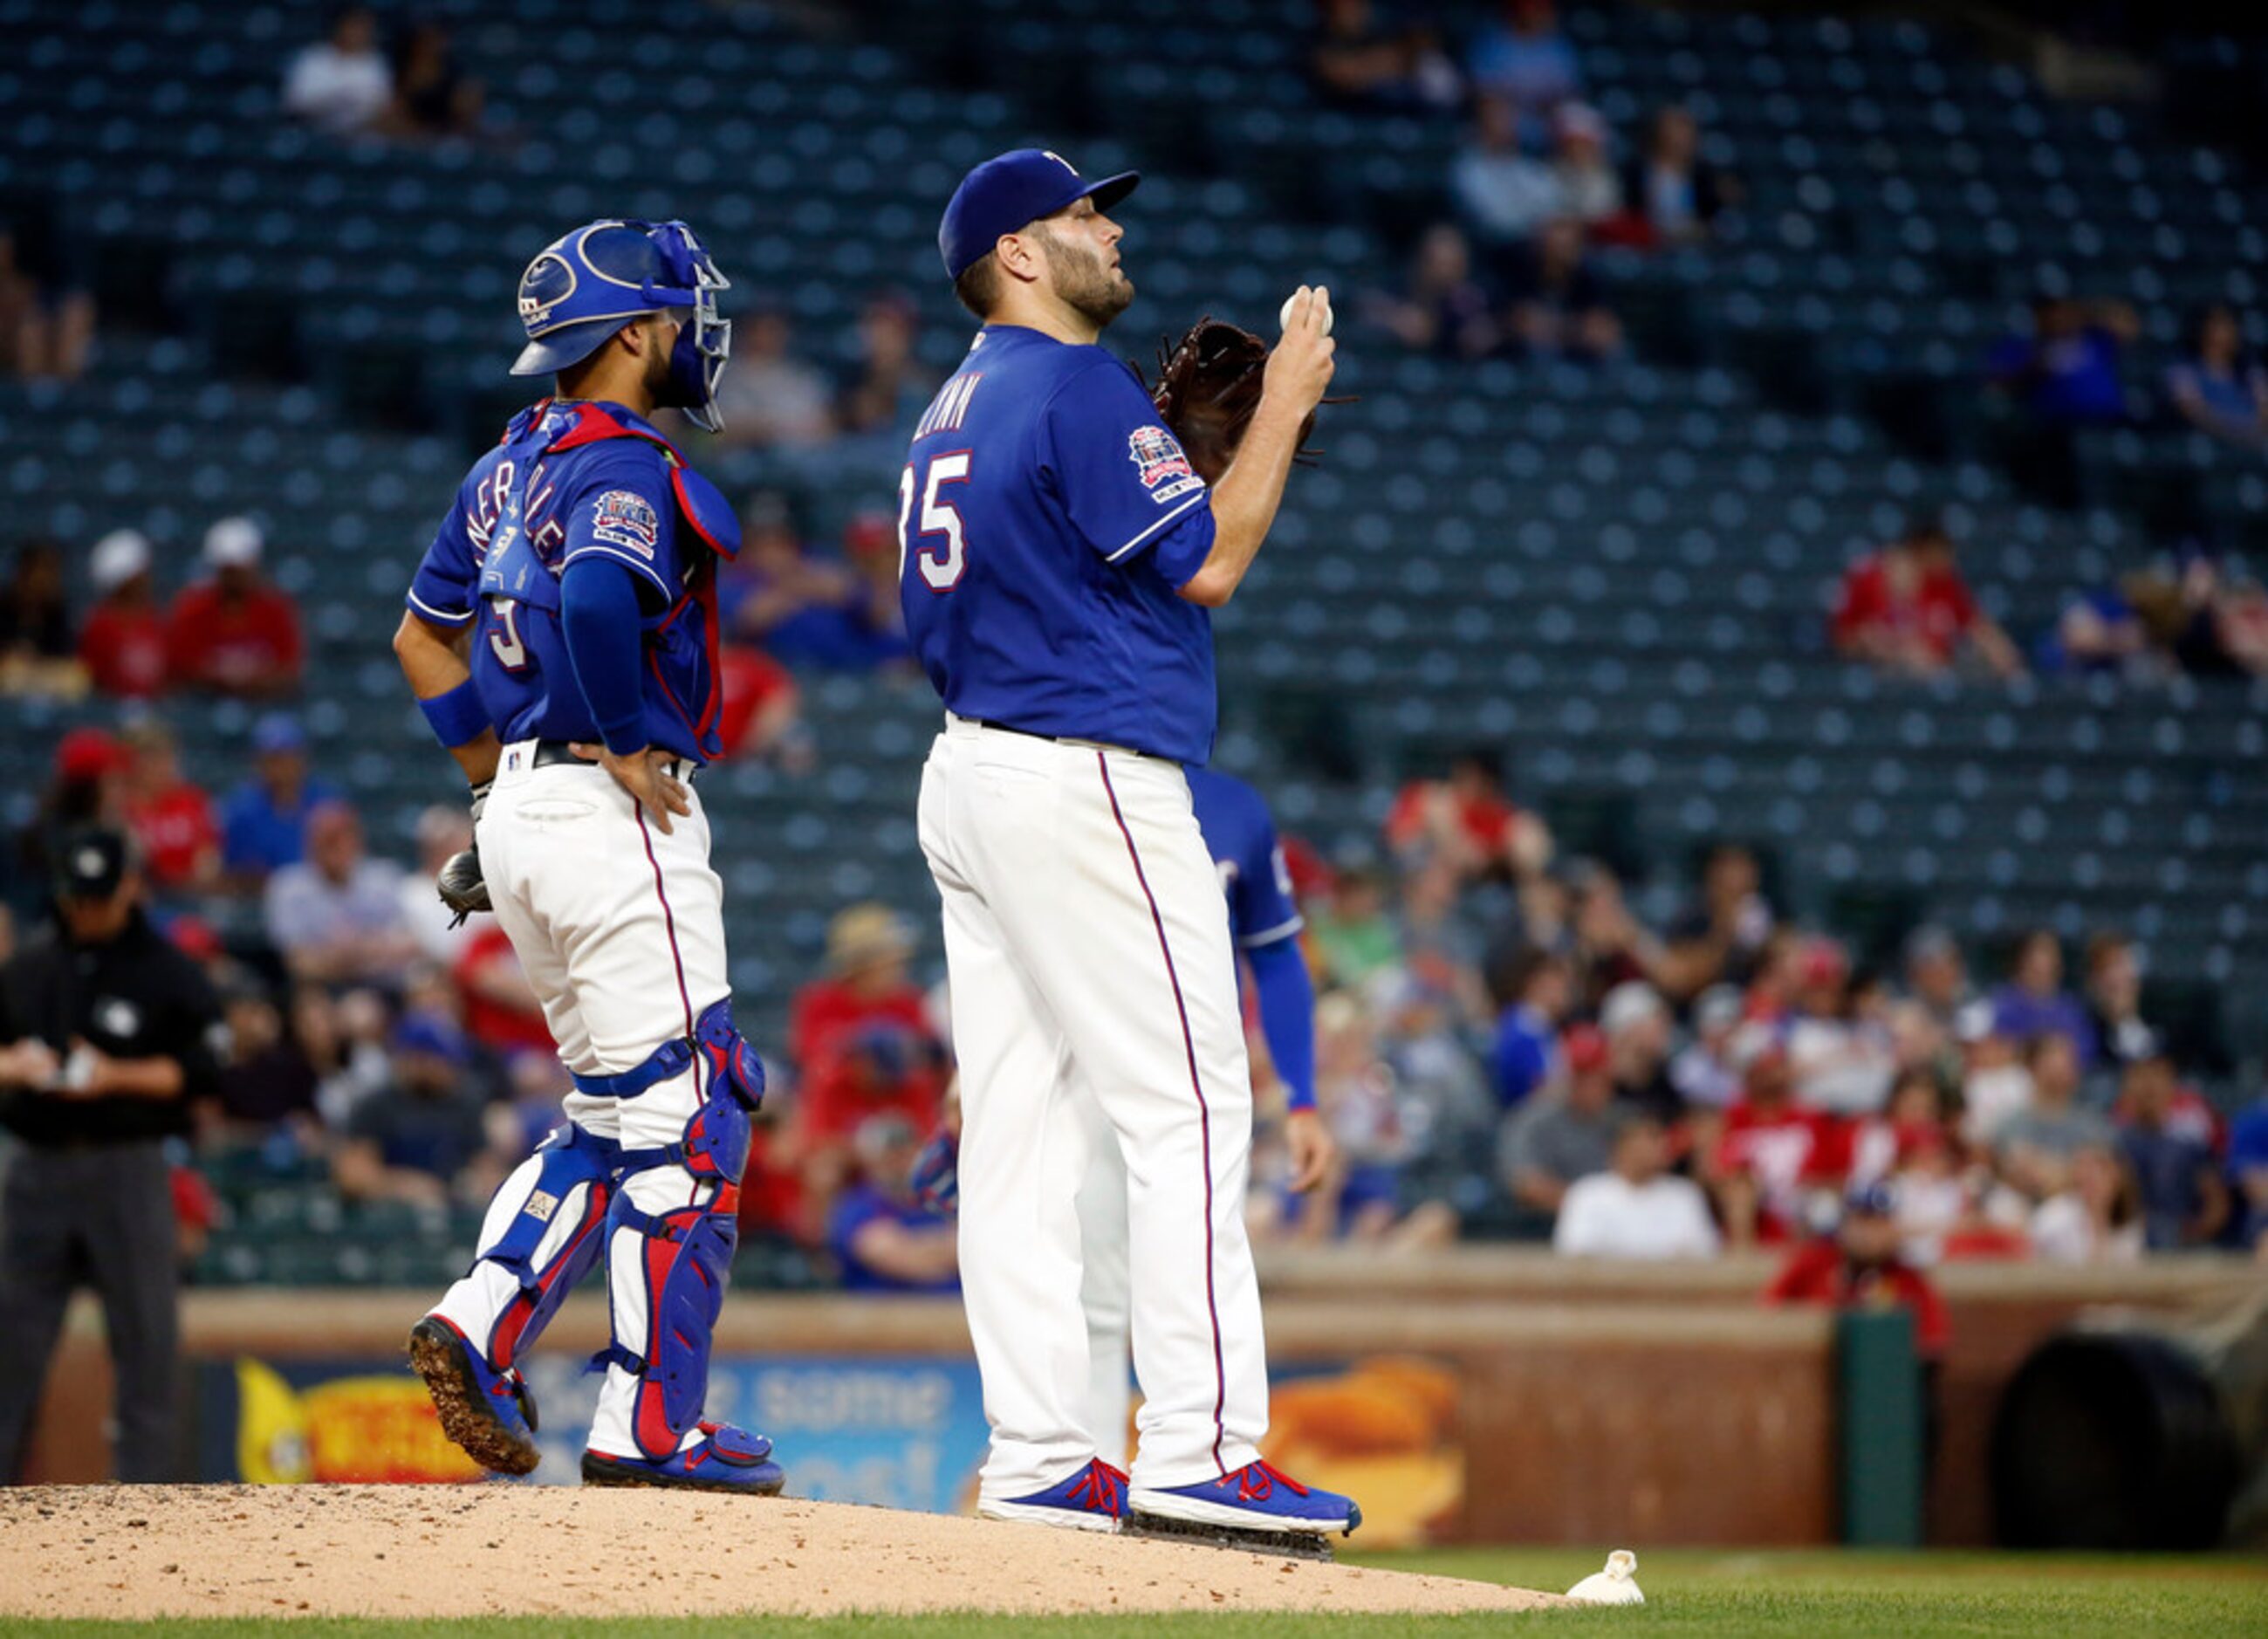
x=583 y=287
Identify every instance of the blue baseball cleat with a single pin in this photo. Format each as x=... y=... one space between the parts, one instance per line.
x=724 y=1459
x=488 y=1414
x=1094 y=1498
x=1257 y=1498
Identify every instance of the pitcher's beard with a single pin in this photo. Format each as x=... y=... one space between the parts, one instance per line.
x=1085 y=284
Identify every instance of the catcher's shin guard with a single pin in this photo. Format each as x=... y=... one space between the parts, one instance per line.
x=673 y=1255
x=543 y=1227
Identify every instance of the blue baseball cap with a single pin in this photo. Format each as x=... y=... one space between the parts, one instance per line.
x=279 y=731
x=1011 y=189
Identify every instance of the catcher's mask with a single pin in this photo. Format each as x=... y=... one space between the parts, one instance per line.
x=583 y=288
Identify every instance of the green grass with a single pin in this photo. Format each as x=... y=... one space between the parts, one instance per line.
x=1715 y=1591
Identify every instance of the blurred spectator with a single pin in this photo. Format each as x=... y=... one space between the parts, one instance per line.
x=345 y=1042
x=769 y=396
x=47 y=325
x=501 y=1010
x=1354 y=933
x=1609 y=946
x=1469 y=821
x=1772 y=1157
x=2248 y=1176
x=1703 y=1071
x=444 y=830
x=1589 y=187
x=1558 y=305
x=538 y=1085
x=862 y=1046
x=1441 y=308
x=1363 y=59
x=336 y=916
x=1361 y=1200
x=171 y=816
x=1548 y=1144
x=1522 y=57
x=424 y=1138
x=1670 y=187
x=234 y=633
x=1842 y=1063
x=267 y=1085
x=341 y=84
x=1503 y=194
x=1862 y=1265
x=1440 y=951
x=2215 y=624
x=2034 y=1144
x=1719 y=939
x=2034 y=999
x=264 y=821
x=870 y=545
x=2066 y=372
x=1635 y=1208
x=2215 y=387
x=885 y=1240
x=1912 y=1115
x=804 y=610
x=2114 y=1001
x=1533 y=985
x=2096 y=1217
x=432 y=95
x=1995 y=1083
x=760 y=711
x=2099 y=630
x=87 y=787
x=887 y=386
x=123 y=644
x=38 y=653
x=2184 y=1200
x=1937 y=976
x=1907 y=610
x=1635 y=1022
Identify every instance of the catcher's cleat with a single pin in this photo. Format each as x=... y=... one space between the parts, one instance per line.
x=488 y=1414
x=1254 y=1506
x=724 y=1459
x=1094 y=1498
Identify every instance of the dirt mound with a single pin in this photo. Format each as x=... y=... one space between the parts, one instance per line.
x=507 y=1550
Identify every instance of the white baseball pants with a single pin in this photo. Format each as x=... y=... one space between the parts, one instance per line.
x=1088 y=942
x=620 y=929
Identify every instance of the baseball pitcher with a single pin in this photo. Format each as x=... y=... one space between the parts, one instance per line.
x=1060 y=553
x=561 y=637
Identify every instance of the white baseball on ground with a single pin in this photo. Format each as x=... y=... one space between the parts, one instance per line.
x=1323 y=295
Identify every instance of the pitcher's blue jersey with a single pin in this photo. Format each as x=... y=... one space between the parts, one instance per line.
x=1242 y=837
x=567 y=481
x=1047 y=521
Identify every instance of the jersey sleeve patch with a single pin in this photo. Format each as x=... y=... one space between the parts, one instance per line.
x=624 y=519
x=1165 y=471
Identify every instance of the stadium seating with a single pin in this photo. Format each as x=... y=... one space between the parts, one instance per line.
x=1619 y=574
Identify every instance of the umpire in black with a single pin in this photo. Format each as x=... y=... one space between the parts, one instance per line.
x=107 y=1033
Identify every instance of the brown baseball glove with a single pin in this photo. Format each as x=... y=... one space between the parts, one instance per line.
x=1209 y=384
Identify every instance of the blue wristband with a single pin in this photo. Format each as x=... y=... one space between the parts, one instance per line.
x=458 y=717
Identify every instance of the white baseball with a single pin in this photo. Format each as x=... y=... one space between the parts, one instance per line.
x=1323 y=295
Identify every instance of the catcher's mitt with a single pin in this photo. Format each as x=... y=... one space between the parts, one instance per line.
x=1209 y=384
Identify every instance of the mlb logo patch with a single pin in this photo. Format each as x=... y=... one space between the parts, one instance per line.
x=621 y=518
x=1156 y=456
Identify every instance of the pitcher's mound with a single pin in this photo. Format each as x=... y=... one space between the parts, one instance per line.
x=505 y=1550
